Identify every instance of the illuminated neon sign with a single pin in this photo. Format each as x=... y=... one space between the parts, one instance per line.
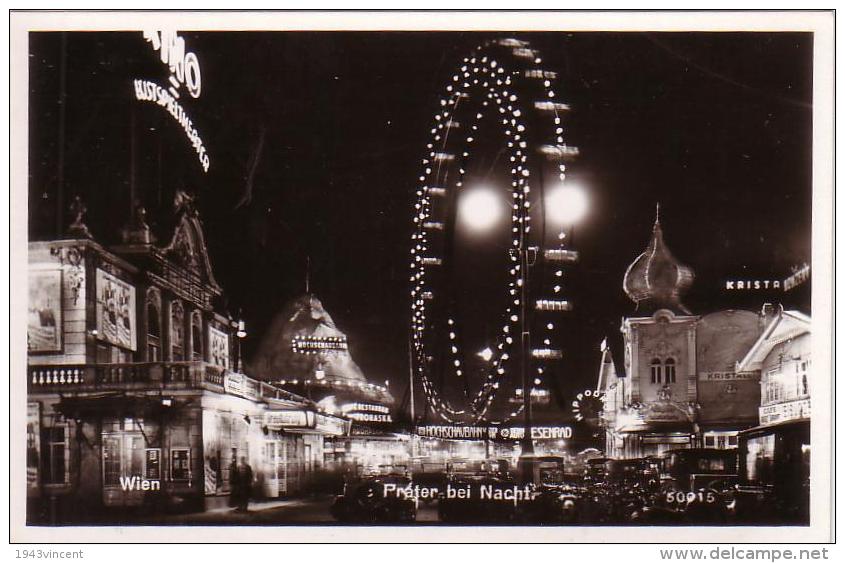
x=184 y=66
x=494 y=432
x=588 y=405
x=315 y=344
x=184 y=71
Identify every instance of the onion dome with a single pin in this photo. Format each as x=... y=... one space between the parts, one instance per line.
x=656 y=280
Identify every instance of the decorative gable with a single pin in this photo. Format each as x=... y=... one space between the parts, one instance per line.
x=187 y=248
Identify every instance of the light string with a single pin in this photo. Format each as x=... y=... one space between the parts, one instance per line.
x=498 y=87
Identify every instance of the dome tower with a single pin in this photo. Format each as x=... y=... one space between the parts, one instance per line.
x=656 y=280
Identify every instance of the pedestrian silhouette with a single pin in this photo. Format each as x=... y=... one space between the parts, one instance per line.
x=242 y=485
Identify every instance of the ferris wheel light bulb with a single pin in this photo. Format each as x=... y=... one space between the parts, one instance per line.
x=486 y=354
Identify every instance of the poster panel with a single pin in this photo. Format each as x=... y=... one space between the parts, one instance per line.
x=33 y=446
x=218 y=342
x=115 y=311
x=211 y=451
x=44 y=330
x=180 y=464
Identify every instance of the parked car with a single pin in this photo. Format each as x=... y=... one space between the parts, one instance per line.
x=365 y=501
x=481 y=498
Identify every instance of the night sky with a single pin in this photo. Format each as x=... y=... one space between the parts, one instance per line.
x=715 y=126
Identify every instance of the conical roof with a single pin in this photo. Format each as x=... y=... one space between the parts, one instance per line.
x=656 y=280
x=304 y=344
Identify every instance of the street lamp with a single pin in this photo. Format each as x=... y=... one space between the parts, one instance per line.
x=240 y=333
x=564 y=205
x=480 y=209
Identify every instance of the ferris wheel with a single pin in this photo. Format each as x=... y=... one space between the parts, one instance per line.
x=499 y=100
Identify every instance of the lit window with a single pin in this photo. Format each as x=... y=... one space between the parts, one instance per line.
x=153 y=332
x=656 y=371
x=54 y=451
x=196 y=336
x=177 y=331
x=670 y=370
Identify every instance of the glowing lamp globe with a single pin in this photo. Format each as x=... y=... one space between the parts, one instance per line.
x=480 y=209
x=566 y=205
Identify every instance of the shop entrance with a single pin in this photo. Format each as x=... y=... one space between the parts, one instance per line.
x=123 y=468
x=274 y=457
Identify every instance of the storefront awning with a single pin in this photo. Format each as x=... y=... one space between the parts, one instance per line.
x=657 y=427
x=114 y=404
x=775 y=426
x=303 y=421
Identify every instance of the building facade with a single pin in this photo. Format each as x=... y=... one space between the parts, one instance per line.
x=134 y=399
x=776 y=453
x=678 y=386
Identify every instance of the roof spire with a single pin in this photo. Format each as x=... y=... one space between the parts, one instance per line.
x=307 y=275
x=657 y=214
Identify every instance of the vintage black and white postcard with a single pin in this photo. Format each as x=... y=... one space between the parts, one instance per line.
x=395 y=276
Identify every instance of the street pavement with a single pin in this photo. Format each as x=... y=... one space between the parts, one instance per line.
x=298 y=511
x=309 y=510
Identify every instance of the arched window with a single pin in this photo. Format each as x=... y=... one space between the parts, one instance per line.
x=656 y=371
x=670 y=370
x=153 y=326
x=177 y=331
x=196 y=336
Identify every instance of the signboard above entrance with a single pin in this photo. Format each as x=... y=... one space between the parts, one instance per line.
x=494 y=432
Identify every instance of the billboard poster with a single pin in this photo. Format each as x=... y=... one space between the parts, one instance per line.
x=44 y=330
x=180 y=464
x=211 y=451
x=218 y=343
x=115 y=311
x=33 y=445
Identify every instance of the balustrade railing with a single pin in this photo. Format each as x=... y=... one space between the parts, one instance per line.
x=214 y=375
x=56 y=375
x=111 y=375
x=194 y=374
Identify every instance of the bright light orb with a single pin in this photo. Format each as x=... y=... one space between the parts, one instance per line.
x=486 y=354
x=480 y=209
x=566 y=204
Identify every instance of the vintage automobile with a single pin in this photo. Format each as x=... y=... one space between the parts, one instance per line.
x=430 y=480
x=596 y=471
x=641 y=472
x=557 y=495
x=482 y=498
x=365 y=501
x=700 y=468
x=774 y=474
x=701 y=482
x=558 y=504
